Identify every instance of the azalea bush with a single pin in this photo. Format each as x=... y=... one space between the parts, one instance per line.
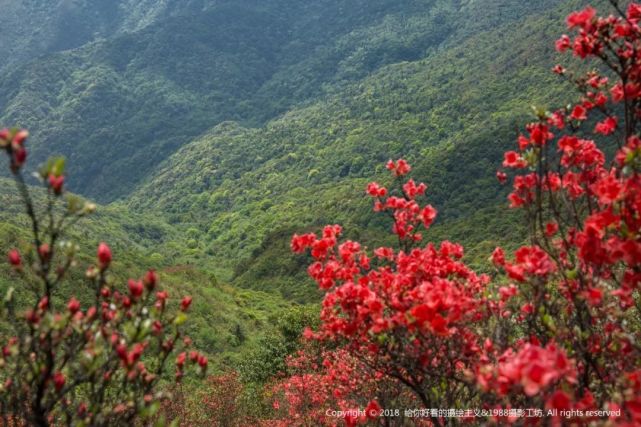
x=99 y=361
x=557 y=329
x=579 y=281
x=220 y=400
x=404 y=319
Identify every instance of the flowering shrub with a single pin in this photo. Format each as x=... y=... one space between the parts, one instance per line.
x=217 y=402
x=404 y=318
x=560 y=328
x=328 y=385
x=579 y=281
x=73 y=362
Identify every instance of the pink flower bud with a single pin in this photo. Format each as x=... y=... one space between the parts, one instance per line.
x=56 y=183
x=121 y=351
x=185 y=303
x=20 y=137
x=180 y=359
x=156 y=327
x=104 y=255
x=14 y=258
x=44 y=251
x=150 y=280
x=73 y=306
x=202 y=361
x=135 y=289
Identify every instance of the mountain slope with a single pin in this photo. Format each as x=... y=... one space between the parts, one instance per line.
x=36 y=27
x=251 y=188
x=224 y=321
x=241 y=122
x=119 y=106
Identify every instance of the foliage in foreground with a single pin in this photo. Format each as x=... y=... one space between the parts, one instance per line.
x=69 y=365
x=559 y=327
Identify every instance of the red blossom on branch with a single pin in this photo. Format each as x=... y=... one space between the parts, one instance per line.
x=580 y=277
x=97 y=366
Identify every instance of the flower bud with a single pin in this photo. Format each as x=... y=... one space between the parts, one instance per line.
x=14 y=258
x=104 y=255
x=59 y=381
x=121 y=351
x=135 y=288
x=180 y=359
x=202 y=361
x=161 y=299
x=56 y=183
x=156 y=327
x=20 y=137
x=45 y=252
x=185 y=303
x=150 y=280
x=91 y=313
x=73 y=306
x=82 y=410
x=19 y=157
x=32 y=317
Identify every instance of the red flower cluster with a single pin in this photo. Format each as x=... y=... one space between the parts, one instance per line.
x=330 y=387
x=560 y=329
x=399 y=167
x=531 y=370
x=414 y=307
x=580 y=281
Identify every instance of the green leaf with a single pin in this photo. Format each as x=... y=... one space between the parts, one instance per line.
x=74 y=204
x=8 y=297
x=180 y=319
x=53 y=166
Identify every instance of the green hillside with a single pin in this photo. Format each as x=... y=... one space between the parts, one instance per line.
x=223 y=127
x=41 y=27
x=120 y=105
x=249 y=189
x=225 y=321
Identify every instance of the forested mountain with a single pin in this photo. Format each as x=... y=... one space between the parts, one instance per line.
x=34 y=28
x=240 y=122
x=161 y=73
x=452 y=114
